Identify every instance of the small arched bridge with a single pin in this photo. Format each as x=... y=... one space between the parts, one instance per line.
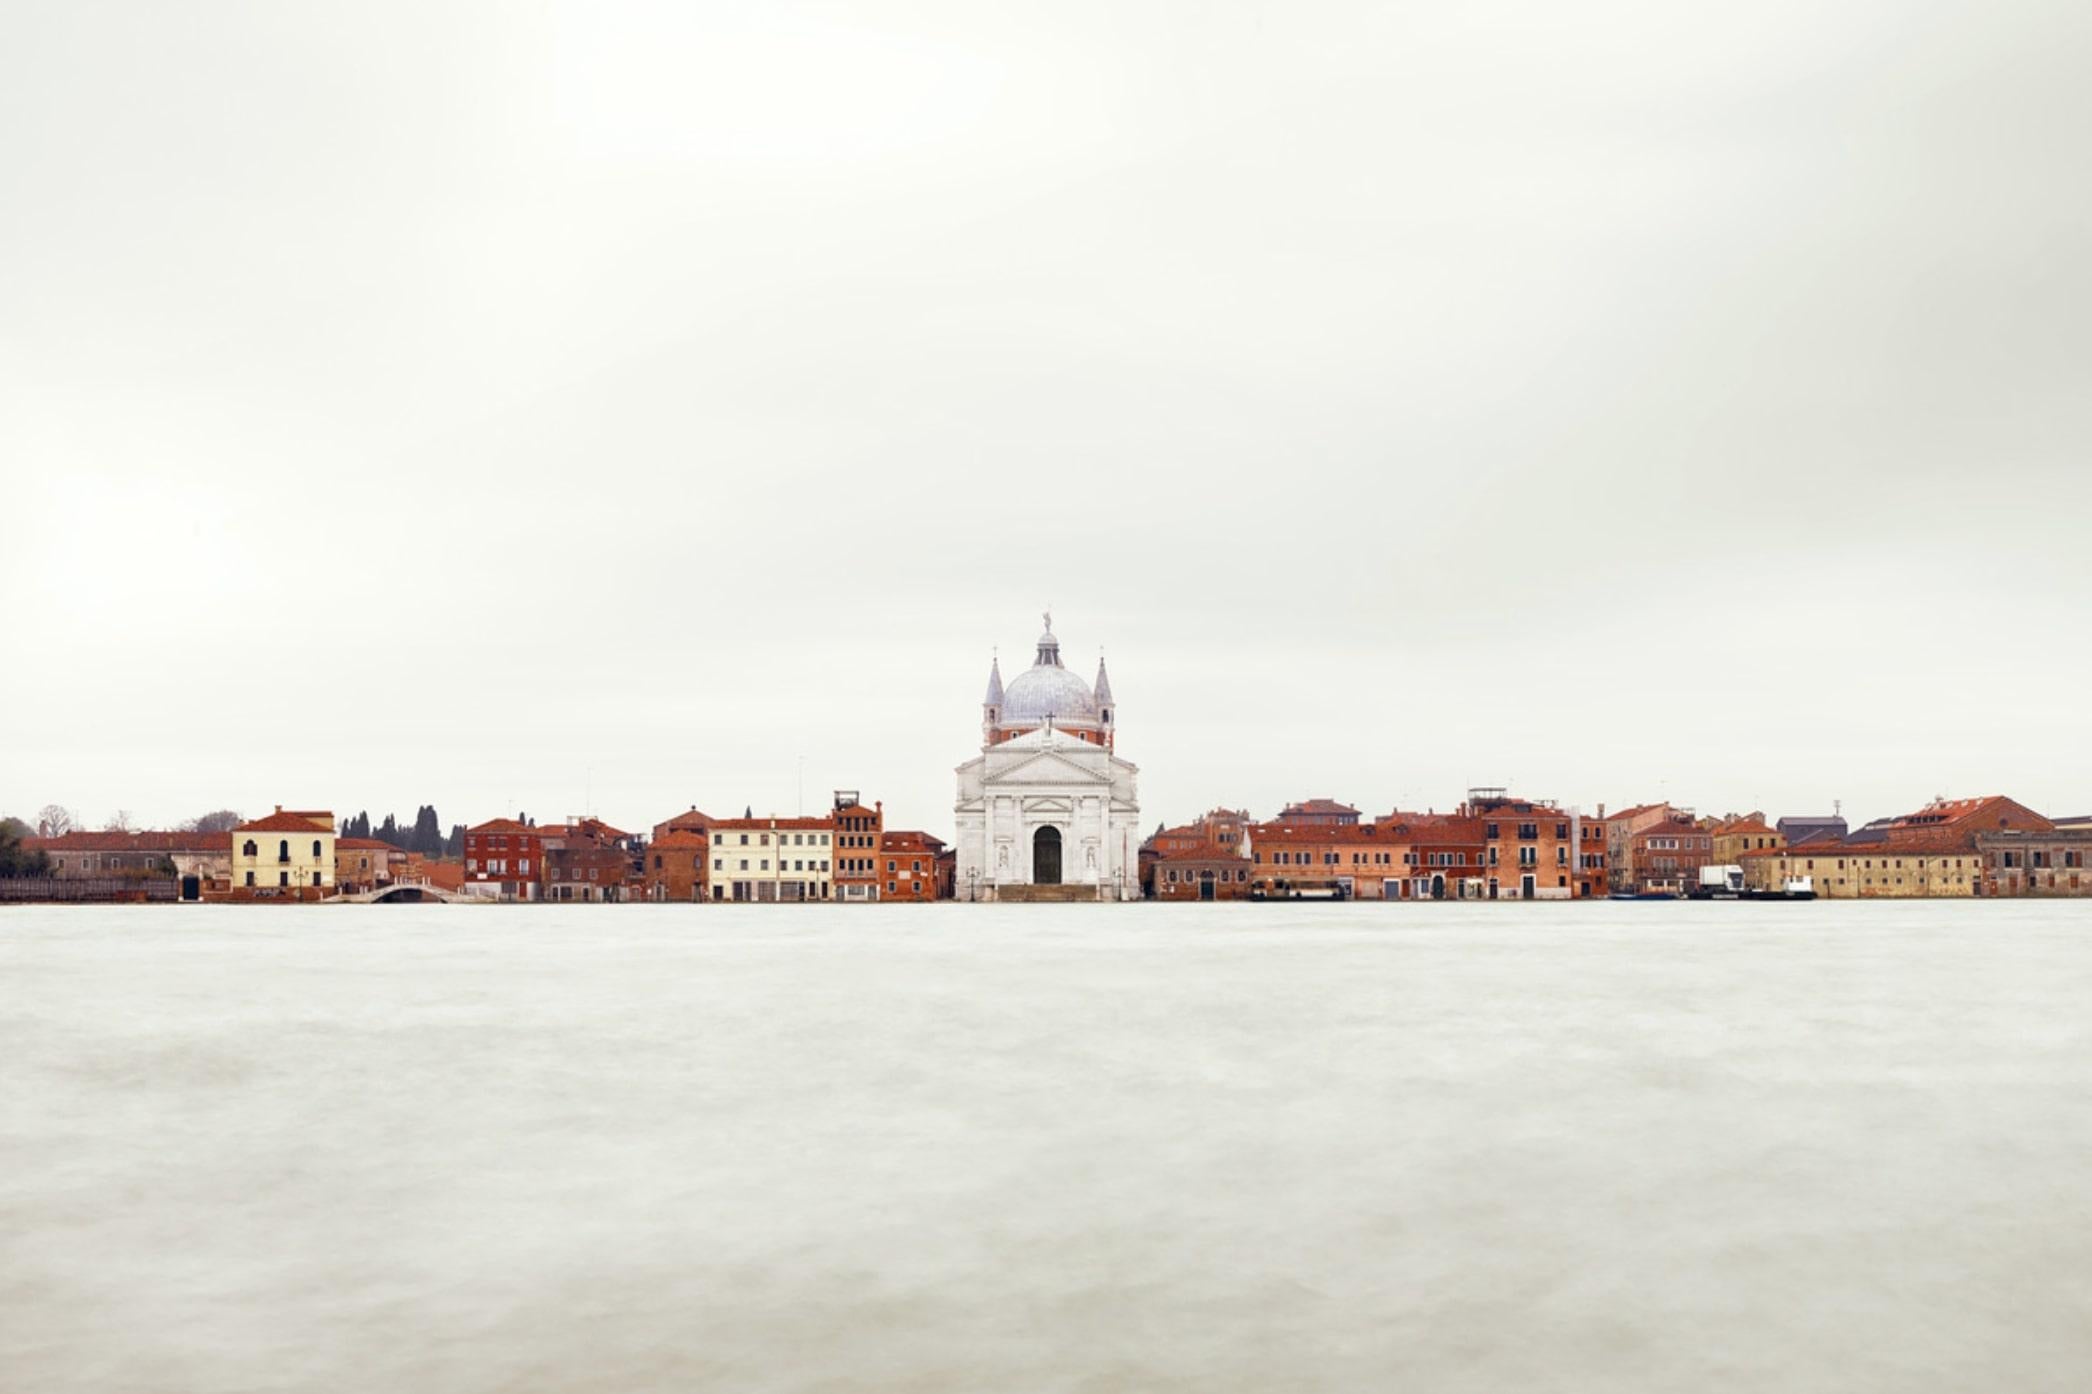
x=410 y=894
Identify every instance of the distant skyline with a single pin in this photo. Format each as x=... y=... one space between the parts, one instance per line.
x=601 y=408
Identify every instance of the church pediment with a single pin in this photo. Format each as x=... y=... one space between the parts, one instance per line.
x=1047 y=767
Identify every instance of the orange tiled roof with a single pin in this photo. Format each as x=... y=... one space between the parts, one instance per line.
x=283 y=822
x=362 y=844
x=683 y=838
x=909 y=840
x=1326 y=832
x=1201 y=854
x=501 y=825
x=767 y=824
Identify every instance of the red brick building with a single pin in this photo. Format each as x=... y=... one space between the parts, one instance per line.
x=857 y=875
x=1199 y=874
x=586 y=859
x=1528 y=849
x=1593 y=876
x=1367 y=861
x=677 y=863
x=1447 y=851
x=1325 y=812
x=504 y=860
x=908 y=865
x=364 y=863
x=1667 y=856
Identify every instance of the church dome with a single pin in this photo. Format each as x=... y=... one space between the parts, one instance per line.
x=1044 y=690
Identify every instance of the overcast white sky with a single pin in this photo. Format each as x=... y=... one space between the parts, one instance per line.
x=608 y=405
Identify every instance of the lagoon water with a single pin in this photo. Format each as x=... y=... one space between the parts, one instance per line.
x=1211 y=1148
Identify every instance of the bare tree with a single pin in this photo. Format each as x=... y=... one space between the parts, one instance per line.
x=220 y=820
x=119 y=822
x=55 y=820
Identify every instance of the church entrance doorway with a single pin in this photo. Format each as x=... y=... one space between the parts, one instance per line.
x=1046 y=857
x=1205 y=885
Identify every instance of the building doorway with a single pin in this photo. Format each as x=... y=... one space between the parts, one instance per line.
x=1438 y=888
x=1205 y=885
x=1525 y=888
x=1046 y=857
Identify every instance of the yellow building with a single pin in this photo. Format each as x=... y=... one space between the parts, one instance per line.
x=772 y=859
x=284 y=855
x=1881 y=870
x=1750 y=833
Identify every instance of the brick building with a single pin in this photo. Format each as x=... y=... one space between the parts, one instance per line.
x=1199 y=874
x=908 y=865
x=1321 y=812
x=678 y=863
x=1941 y=850
x=1448 y=851
x=1528 y=848
x=1620 y=831
x=504 y=860
x=1368 y=861
x=1218 y=830
x=364 y=863
x=1592 y=877
x=2031 y=863
x=1667 y=856
x=857 y=830
x=586 y=859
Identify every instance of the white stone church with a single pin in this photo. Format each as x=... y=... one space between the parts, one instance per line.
x=1048 y=810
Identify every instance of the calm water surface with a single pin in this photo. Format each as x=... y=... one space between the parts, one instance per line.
x=1211 y=1148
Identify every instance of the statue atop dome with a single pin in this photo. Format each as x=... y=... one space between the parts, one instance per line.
x=1046 y=694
